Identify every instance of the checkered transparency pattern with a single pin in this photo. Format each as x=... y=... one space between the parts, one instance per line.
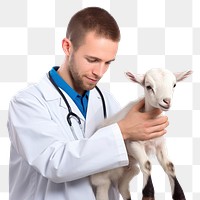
x=156 y=33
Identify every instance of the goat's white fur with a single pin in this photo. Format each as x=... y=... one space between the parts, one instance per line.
x=158 y=89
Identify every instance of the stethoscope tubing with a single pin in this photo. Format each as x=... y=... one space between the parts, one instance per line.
x=72 y=114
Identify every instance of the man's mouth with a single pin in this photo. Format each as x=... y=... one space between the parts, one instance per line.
x=93 y=80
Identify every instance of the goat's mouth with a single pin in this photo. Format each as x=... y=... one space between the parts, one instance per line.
x=165 y=108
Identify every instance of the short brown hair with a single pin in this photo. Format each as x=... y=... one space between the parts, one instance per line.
x=92 y=19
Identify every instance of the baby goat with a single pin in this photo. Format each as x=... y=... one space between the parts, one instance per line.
x=158 y=86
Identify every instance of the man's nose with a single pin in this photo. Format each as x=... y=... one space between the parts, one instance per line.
x=99 y=70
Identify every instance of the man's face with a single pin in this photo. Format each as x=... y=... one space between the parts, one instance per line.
x=90 y=61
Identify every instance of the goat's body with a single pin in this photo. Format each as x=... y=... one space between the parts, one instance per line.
x=139 y=151
x=122 y=176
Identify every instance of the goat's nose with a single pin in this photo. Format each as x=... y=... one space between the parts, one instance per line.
x=167 y=101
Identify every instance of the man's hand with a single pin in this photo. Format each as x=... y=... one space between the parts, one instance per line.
x=143 y=126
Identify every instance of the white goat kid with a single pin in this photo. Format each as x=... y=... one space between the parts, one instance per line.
x=158 y=86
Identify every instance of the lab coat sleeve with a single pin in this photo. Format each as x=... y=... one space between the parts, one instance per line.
x=38 y=140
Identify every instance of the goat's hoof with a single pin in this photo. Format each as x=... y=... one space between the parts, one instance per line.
x=180 y=198
x=178 y=192
x=148 y=198
x=148 y=191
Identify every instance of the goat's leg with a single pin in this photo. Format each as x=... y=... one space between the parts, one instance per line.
x=168 y=166
x=129 y=173
x=137 y=150
x=101 y=182
x=102 y=191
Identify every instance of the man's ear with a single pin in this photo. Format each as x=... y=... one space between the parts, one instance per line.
x=182 y=75
x=67 y=46
x=137 y=78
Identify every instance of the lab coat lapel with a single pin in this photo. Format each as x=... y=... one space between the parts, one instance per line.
x=94 y=113
x=52 y=96
x=50 y=93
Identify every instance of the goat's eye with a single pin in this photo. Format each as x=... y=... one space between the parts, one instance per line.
x=149 y=87
x=174 y=85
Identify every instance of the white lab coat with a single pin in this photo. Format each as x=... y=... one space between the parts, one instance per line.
x=46 y=162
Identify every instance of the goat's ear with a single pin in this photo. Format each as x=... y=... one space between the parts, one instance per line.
x=182 y=75
x=137 y=78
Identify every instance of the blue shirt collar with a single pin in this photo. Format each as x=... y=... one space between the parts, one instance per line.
x=64 y=86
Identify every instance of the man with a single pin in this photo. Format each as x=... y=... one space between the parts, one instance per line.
x=49 y=160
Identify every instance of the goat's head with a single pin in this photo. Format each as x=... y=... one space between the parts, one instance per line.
x=159 y=85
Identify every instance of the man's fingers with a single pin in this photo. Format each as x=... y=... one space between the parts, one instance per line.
x=157 y=127
x=156 y=134
x=156 y=122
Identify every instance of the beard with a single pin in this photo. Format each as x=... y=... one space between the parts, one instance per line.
x=79 y=81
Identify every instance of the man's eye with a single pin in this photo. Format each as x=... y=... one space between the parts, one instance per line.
x=108 y=63
x=91 y=60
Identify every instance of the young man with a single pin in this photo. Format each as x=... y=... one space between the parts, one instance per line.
x=49 y=160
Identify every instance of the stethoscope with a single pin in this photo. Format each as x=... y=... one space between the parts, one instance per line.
x=71 y=114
